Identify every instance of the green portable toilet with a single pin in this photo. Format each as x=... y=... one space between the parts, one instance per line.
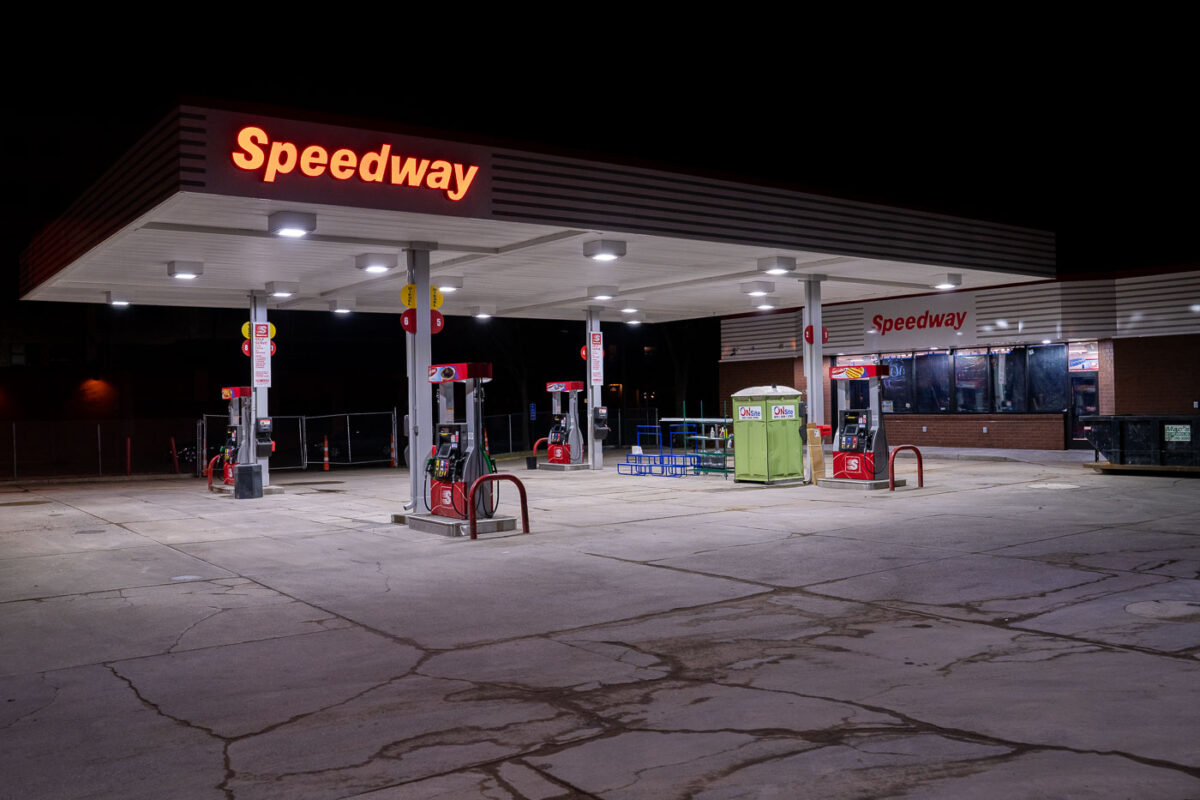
x=768 y=431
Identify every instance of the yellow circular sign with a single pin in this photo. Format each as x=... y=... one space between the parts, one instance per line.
x=408 y=296
x=246 y=330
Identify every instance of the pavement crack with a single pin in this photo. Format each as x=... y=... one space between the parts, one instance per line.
x=185 y=631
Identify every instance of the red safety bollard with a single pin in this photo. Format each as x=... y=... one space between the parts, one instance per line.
x=174 y=455
x=210 y=470
x=497 y=476
x=892 y=466
x=326 y=467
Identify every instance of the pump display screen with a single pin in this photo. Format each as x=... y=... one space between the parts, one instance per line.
x=855 y=432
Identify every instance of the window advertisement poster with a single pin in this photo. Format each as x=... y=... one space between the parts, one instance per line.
x=920 y=323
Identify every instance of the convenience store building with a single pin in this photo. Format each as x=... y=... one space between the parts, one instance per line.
x=1011 y=366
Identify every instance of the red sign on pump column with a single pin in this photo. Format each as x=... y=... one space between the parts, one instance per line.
x=260 y=355
x=596 y=344
x=408 y=321
x=246 y=347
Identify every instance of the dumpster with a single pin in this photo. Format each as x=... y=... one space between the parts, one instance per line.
x=1158 y=440
x=768 y=434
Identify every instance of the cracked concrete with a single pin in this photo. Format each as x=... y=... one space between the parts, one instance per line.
x=1015 y=629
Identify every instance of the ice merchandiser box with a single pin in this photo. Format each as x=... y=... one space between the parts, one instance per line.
x=768 y=434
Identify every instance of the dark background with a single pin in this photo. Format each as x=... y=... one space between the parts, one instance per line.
x=1017 y=131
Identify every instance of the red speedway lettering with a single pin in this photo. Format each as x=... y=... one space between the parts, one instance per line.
x=257 y=151
x=953 y=319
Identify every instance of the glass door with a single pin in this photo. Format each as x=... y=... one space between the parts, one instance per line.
x=1084 y=402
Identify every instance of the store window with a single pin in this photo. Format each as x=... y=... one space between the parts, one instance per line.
x=931 y=371
x=1008 y=379
x=1048 y=378
x=896 y=389
x=971 y=392
x=859 y=391
x=1083 y=357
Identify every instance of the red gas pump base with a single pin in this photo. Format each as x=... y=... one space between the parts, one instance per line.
x=856 y=471
x=559 y=458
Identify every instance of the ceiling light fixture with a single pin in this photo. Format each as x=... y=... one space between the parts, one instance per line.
x=185 y=270
x=118 y=299
x=481 y=312
x=601 y=292
x=777 y=265
x=765 y=303
x=630 y=310
x=637 y=318
x=757 y=288
x=604 y=249
x=342 y=305
x=282 y=288
x=375 y=263
x=292 y=224
x=448 y=283
x=952 y=280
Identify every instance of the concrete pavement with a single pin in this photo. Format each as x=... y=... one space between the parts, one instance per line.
x=1015 y=629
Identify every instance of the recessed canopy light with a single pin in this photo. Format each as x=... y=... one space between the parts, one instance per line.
x=952 y=280
x=292 y=224
x=636 y=318
x=282 y=288
x=629 y=310
x=1045 y=341
x=602 y=292
x=342 y=305
x=481 y=312
x=765 y=303
x=375 y=263
x=118 y=299
x=604 y=249
x=449 y=283
x=185 y=270
x=777 y=265
x=757 y=288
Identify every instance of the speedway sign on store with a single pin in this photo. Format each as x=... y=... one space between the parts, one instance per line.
x=915 y=323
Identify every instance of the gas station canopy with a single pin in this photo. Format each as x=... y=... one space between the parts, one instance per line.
x=203 y=190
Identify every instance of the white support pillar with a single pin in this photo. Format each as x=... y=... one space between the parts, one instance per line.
x=595 y=368
x=420 y=396
x=814 y=374
x=258 y=403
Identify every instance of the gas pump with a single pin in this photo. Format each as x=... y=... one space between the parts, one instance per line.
x=244 y=444
x=565 y=440
x=236 y=449
x=459 y=451
x=860 y=450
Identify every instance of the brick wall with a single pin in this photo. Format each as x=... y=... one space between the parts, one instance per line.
x=1156 y=375
x=737 y=375
x=1009 y=431
x=1106 y=379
